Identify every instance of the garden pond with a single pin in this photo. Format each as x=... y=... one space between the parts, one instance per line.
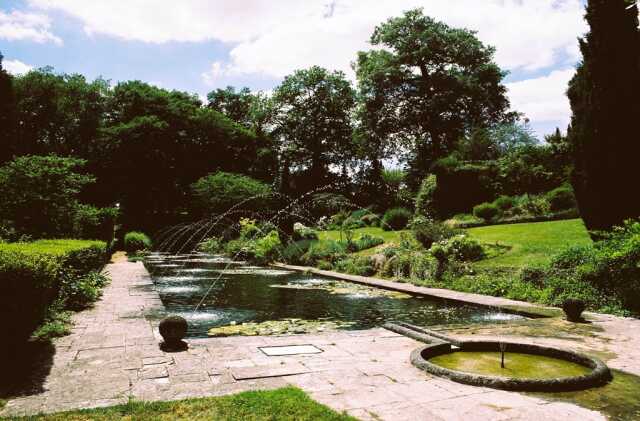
x=220 y=297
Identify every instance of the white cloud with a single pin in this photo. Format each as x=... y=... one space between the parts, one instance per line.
x=275 y=38
x=271 y=39
x=543 y=99
x=18 y=25
x=16 y=67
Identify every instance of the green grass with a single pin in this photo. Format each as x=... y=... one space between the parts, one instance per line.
x=287 y=404
x=530 y=244
x=520 y=244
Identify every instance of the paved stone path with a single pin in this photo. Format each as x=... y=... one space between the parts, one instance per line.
x=113 y=355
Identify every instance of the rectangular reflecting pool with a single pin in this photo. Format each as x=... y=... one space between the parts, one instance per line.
x=234 y=297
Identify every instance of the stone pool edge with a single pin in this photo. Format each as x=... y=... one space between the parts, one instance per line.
x=521 y=308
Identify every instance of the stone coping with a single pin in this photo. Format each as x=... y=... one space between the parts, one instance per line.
x=508 y=306
x=598 y=376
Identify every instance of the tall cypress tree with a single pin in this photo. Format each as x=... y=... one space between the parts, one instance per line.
x=605 y=99
x=7 y=115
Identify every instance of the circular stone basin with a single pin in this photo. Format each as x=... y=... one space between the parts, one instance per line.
x=527 y=367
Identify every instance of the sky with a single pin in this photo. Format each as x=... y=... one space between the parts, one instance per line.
x=201 y=45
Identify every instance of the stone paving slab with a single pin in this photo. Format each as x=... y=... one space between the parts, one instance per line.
x=113 y=355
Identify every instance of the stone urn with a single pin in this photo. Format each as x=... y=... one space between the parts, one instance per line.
x=173 y=330
x=573 y=309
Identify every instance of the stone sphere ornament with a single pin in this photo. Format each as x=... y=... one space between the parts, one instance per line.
x=573 y=309
x=173 y=330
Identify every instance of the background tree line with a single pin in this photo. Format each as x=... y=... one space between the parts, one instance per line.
x=429 y=99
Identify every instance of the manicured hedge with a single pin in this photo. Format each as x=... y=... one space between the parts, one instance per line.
x=31 y=276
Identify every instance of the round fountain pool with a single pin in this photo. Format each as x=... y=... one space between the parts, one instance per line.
x=528 y=367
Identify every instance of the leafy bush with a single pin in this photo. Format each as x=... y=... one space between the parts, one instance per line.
x=267 y=248
x=34 y=276
x=463 y=248
x=217 y=193
x=93 y=223
x=328 y=250
x=301 y=232
x=135 y=241
x=293 y=252
x=428 y=231
x=561 y=199
x=40 y=194
x=486 y=211
x=424 y=199
x=367 y=241
x=396 y=219
x=80 y=292
x=371 y=220
x=211 y=245
x=533 y=205
x=504 y=203
x=356 y=265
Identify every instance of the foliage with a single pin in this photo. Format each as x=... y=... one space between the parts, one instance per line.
x=425 y=197
x=561 y=198
x=428 y=231
x=80 y=292
x=266 y=248
x=355 y=265
x=459 y=247
x=396 y=219
x=486 y=211
x=211 y=245
x=135 y=241
x=92 y=223
x=313 y=120
x=40 y=194
x=40 y=278
x=427 y=82
x=329 y=250
x=294 y=251
x=604 y=101
x=219 y=192
x=504 y=203
x=301 y=232
x=286 y=404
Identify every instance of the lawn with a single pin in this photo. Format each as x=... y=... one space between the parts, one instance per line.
x=531 y=243
x=287 y=404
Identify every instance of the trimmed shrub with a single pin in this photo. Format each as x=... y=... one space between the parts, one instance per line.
x=486 y=211
x=135 y=241
x=34 y=276
x=396 y=219
x=561 y=199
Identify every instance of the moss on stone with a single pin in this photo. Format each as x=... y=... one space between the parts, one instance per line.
x=517 y=365
x=618 y=400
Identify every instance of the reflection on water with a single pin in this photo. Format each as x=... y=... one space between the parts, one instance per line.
x=242 y=293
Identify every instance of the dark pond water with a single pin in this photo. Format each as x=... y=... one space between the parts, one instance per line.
x=239 y=293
